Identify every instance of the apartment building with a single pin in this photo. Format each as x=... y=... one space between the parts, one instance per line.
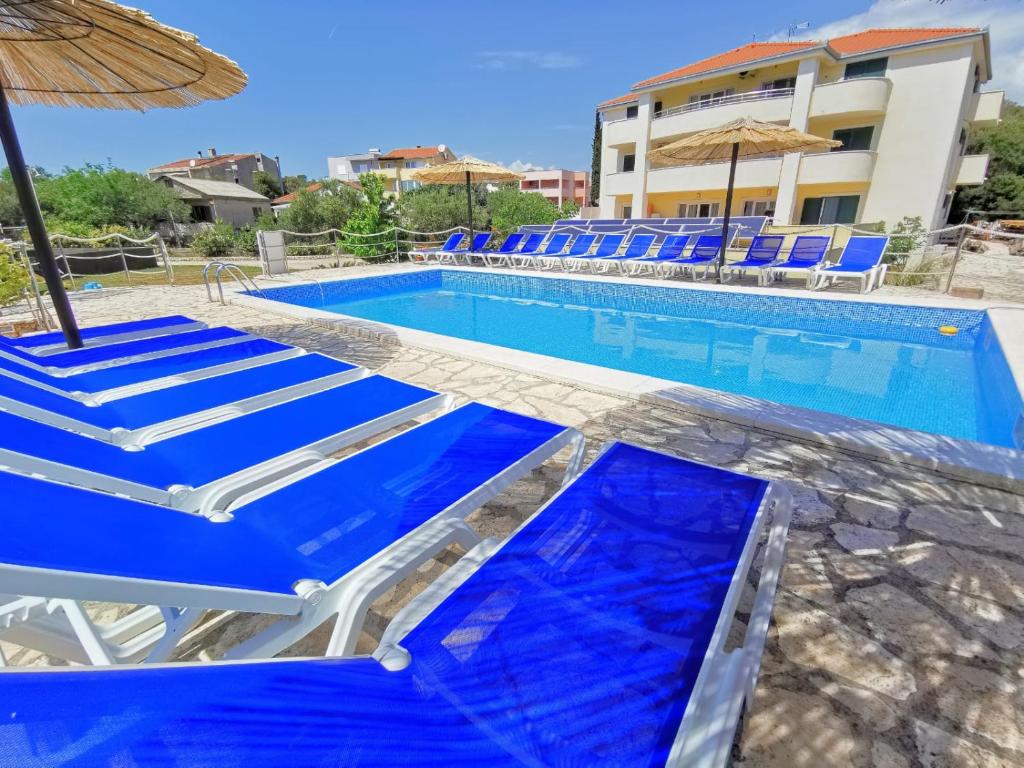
x=234 y=168
x=348 y=167
x=902 y=102
x=397 y=165
x=558 y=185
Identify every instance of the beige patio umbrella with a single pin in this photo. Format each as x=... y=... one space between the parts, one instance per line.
x=465 y=170
x=94 y=53
x=740 y=138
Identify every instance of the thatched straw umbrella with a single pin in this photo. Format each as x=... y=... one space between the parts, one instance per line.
x=740 y=138
x=94 y=53
x=465 y=171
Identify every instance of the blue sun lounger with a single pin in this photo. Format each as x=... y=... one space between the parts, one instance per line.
x=762 y=252
x=45 y=343
x=125 y=379
x=596 y=635
x=806 y=257
x=671 y=247
x=554 y=246
x=703 y=254
x=479 y=242
x=150 y=416
x=580 y=247
x=427 y=253
x=205 y=469
x=530 y=243
x=861 y=260
x=609 y=246
x=493 y=258
x=321 y=547
x=91 y=358
x=637 y=248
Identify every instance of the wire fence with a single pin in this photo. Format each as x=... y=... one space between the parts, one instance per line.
x=330 y=246
x=79 y=258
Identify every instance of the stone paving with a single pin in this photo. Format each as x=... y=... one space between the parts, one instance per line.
x=898 y=632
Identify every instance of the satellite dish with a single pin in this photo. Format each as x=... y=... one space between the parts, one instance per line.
x=441 y=148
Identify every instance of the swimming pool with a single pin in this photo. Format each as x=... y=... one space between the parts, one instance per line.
x=883 y=362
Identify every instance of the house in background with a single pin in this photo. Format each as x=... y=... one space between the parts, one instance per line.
x=397 y=165
x=348 y=167
x=218 y=200
x=558 y=185
x=901 y=101
x=282 y=203
x=233 y=168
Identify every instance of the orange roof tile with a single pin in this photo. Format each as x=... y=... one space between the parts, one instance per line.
x=199 y=162
x=878 y=39
x=619 y=100
x=410 y=153
x=316 y=186
x=742 y=55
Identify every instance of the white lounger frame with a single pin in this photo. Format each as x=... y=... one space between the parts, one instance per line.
x=116 y=393
x=869 y=280
x=95 y=366
x=165 y=429
x=811 y=273
x=210 y=500
x=117 y=338
x=347 y=600
x=726 y=679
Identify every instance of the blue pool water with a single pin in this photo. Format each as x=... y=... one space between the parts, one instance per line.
x=871 y=361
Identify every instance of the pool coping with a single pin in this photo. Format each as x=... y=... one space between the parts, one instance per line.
x=976 y=462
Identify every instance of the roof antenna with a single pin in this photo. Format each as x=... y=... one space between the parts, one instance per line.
x=793 y=28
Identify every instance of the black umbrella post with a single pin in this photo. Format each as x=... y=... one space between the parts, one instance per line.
x=34 y=223
x=469 y=206
x=728 y=208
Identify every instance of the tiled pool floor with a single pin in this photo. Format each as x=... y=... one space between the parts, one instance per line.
x=898 y=637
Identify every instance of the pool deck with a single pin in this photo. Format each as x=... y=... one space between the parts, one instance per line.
x=898 y=633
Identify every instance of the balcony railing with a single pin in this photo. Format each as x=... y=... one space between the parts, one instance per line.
x=736 y=98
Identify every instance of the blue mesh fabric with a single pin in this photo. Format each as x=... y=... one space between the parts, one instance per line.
x=861 y=254
x=511 y=242
x=763 y=250
x=581 y=245
x=576 y=645
x=99 y=331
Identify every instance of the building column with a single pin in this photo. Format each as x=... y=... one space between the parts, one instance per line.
x=643 y=144
x=785 y=201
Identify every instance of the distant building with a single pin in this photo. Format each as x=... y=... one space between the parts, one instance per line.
x=397 y=166
x=281 y=203
x=348 y=167
x=233 y=168
x=218 y=200
x=558 y=185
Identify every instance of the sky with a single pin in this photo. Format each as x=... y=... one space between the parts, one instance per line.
x=514 y=83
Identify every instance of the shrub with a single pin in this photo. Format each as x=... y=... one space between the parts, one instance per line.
x=216 y=242
x=13 y=276
x=511 y=209
x=245 y=240
x=373 y=215
x=906 y=236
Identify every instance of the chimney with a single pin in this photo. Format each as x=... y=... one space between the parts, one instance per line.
x=211 y=152
x=200 y=153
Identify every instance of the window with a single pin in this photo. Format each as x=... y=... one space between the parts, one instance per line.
x=414 y=163
x=256 y=213
x=697 y=210
x=853 y=138
x=711 y=99
x=657 y=108
x=962 y=141
x=841 y=209
x=866 y=68
x=201 y=213
x=409 y=185
x=387 y=164
x=628 y=163
x=759 y=208
x=777 y=85
x=632 y=112
x=977 y=77
x=627 y=211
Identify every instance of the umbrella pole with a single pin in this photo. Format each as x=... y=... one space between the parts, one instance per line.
x=469 y=206
x=34 y=223
x=728 y=208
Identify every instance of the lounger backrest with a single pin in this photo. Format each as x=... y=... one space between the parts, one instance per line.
x=511 y=242
x=480 y=241
x=863 y=252
x=452 y=242
x=673 y=246
x=810 y=248
x=556 y=244
x=582 y=245
x=706 y=247
x=765 y=248
x=639 y=245
x=609 y=245
x=532 y=242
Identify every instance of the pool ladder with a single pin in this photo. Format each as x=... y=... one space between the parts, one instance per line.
x=234 y=271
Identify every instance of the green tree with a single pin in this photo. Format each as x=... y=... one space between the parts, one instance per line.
x=374 y=214
x=569 y=209
x=99 y=196
x=266 y=185
x=330 y=207
x=1004 y=188
x=511 y=209
x=595 y=161
x=438 y=207
x=10 y=208
x=216 y=242
x=13 y=276
x=295 y=182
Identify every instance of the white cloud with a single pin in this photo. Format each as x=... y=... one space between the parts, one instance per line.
x=503 y=60
x=519 y=166
x=1004 y=17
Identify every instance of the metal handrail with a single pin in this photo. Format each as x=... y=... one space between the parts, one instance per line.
x=736 y=98
x=236 y=272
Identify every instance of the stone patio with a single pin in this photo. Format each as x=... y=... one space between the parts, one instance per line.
x=898 y=634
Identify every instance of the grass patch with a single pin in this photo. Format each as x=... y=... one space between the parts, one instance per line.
x=184 y=274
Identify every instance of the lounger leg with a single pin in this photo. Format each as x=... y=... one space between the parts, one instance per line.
x=86 y=632
x=177 y=621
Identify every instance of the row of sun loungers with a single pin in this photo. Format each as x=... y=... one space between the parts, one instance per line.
x=683 y=253
x=184 y=480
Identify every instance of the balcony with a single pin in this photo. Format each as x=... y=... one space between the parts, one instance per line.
x=772 y=106
x=618 y=183
x=972 y=171
x=617 y=132
x=985 y=109
x=850 y=167
x=860 y=96
x=760 y=172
